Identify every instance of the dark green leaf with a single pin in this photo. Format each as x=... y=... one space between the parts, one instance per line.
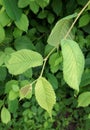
x=12 y=9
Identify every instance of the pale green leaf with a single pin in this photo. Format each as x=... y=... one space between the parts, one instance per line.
x=60 y=30
x=73 y=63
x=2 y=34
x=22 y=60
x=45 y=95
x=22 y=23
x=5 y=115
x=84 y=99
x=12 y=9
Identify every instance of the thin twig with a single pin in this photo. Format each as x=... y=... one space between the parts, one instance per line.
x=77 y=19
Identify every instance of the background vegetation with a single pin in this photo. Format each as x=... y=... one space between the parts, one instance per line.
x=27 y=24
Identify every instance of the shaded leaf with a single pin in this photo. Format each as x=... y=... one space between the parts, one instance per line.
x=2 y=56
x=73 y=63
x=85 y=79
x=42 y=4
x=2 y=34
x=34 y=7
x=12 y=9
x=3 y=73
x=84 y=20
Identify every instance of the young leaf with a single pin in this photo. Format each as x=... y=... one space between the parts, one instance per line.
x=45 y=94
x=22 y=23
x=2 y=34
x=73 y=63
x=12 y=9
x=25 y=91
x=84 y=99
x=5 y=115
x=60 y=30
x=22 y=60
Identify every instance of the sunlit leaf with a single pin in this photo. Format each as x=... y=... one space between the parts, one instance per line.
x=84 y=99
x=45 y=95
x=73 y=63
x=22 y=60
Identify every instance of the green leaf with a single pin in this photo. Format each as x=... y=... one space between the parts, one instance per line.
x=50 y=18
x=84 y=99
x=84 y=20
x=43 y=3
x=13 y=106
x=25 y=91
x=9 y=85
x=2 y=34
x=23 y=3
x=43 y=14
x=5 y=115
x=23 y=42
x=22 y=23
x=45 y=95
x=2 y=56
x=53 y=80
x=59 y=31
x=85 y=79
x=55 y=66
x=13 y=95
x=73 y=63
x=34 y=7
x=57 y=6
x=12 y=9
x=28 y=73
x=22 y=60
x=17 y=32
x=4 y=19
x=3 y=73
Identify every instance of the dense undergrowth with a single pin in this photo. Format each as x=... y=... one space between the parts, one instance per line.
x=31 y=33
